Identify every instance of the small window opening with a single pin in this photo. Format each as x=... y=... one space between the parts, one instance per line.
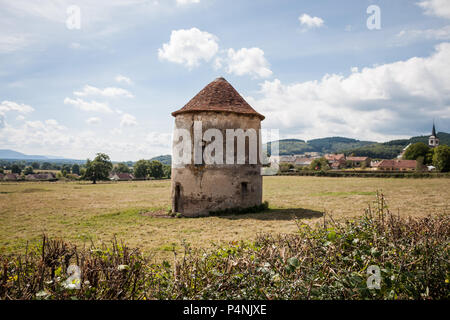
x=244 y=188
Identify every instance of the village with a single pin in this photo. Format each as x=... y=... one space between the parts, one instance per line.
x=339 y=161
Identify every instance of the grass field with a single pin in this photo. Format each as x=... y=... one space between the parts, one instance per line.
x=81 y=212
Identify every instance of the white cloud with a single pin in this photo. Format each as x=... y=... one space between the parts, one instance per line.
x=310 y=22
x=184 y=2
x=407 y=36
x=439 y=8
x=6 y=106
x=93 y=120
x=12 y=42
x=158 y=138
x=50 y=125
x=189 y=47
x=128 y=120
x=56 y=11
x=248 y=61
x=121 y=78
x=88 y=106
x=106 y=92
x=373 y=103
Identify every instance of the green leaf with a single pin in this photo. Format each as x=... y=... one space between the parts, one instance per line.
x=293 y=261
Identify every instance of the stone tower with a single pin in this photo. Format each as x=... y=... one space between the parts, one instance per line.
x=433 y=140
x=233 y=180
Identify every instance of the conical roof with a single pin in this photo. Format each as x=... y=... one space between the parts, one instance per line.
x=433 y=132
x=218 y=96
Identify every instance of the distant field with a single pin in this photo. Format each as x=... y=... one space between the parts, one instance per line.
x=81 y=212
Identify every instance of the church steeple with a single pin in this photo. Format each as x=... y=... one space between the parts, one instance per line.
x=433 y=140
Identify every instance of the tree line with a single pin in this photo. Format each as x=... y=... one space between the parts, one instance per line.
x=95 y=170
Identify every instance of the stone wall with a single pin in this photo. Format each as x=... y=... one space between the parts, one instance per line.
x=199 y=189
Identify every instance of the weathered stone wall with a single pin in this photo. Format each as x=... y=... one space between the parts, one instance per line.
x=205 y=188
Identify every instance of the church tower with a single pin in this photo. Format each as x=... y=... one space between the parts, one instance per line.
x=433 y=140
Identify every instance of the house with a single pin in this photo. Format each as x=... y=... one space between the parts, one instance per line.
x=10 y=177
x=398 y=165
x=358 y=161
x=303 y=162
x=287 y=159
x=312 y=154
x=336 y=161
x=46 y=176
x=121 y=177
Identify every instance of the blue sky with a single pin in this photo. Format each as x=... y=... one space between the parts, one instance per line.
x=313 y=68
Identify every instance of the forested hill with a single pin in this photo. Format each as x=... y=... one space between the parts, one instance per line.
x=165 y=159
x=323 y=145
x=385 y=150
x=392 y=149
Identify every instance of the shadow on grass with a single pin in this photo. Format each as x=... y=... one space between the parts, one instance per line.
x=276 y=214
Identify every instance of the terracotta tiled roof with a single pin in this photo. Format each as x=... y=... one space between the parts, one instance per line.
x=125 y=176
x=218 y=96
x=10 y=176
x=401 y=164
x=335 y=157
x=357 y=158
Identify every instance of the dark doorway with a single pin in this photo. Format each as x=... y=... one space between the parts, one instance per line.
x=177 y=199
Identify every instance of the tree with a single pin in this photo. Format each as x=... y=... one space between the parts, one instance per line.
x=121 y=168
x=141 y=169
x=46 y=166
x=419 y=164
x=167 y=171
x=76 y=168
x=35 y=165
x=28 y=170
x=429 y=157
x=99 y=168
x=441 y=158
x=65 y=169
x=319 y=164
x=156 y=169
x=416 y=150
x=16 y=169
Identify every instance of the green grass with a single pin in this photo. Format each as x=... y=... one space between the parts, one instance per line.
x=80 y=212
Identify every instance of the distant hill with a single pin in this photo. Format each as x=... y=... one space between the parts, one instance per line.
x=11 y=154
x=337 y=144
x=7 y=154
x=391 y=149
x=165 y=159
x=291 y=146
x=323 y=145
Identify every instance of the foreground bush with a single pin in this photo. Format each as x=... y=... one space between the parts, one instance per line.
x=330 y=261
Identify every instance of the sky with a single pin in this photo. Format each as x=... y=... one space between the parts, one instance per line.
x=81 y=77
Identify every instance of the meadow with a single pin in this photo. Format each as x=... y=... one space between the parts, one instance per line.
x=134 y=212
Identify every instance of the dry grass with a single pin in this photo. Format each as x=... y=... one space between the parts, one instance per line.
x=81 y=212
